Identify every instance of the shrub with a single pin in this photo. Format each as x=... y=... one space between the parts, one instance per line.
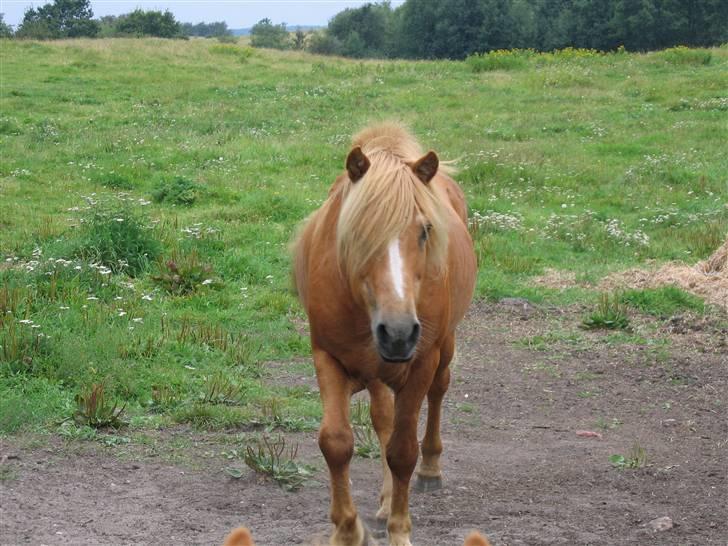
x=148 y=23
x=682 y=55
x=265 y=34
x=227 y=39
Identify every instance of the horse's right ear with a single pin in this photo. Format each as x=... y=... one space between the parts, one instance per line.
x=357 y=164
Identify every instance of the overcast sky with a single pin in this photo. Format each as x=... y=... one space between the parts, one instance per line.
x=236 y=13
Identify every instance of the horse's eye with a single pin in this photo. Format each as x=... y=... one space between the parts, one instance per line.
x=425 y=233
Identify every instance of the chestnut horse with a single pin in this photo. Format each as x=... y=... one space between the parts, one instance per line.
x=385 y=270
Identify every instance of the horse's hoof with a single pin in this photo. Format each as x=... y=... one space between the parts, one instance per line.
x=426 y=484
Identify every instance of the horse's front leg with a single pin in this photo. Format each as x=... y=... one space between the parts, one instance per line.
x=337 y=445
x=381 y=410
x=402 y=448
x=429 y=474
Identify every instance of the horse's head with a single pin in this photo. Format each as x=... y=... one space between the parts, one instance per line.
x=391 y=237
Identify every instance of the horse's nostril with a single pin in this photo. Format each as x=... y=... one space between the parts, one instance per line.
x=415 y=332
x=382 y=334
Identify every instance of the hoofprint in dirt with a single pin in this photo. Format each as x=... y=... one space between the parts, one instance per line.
x=525 y=381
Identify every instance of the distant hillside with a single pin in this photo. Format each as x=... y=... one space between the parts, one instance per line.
x=290 y=28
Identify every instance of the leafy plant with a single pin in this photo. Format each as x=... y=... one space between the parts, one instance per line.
x=610 y=314
x=273 y=458
x=185 y=273
x=94 y=410
x=636 y=458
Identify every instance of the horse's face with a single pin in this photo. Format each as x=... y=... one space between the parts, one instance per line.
x=391 y=290
x=390 y=285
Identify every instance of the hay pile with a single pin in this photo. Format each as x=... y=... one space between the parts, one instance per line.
x=707 y=279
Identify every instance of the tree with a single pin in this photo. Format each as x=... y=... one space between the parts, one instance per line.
x=299 y=40
x=6 y=31
x=206 y=30
x=61 y=19
x=148 y=23
x=323 y=43
x=265 y=34
x=365 y=31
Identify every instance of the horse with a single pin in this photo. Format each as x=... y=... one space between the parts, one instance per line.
x=385 y=271
x=242 y=537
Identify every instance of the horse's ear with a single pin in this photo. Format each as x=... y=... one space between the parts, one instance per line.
x=357 y=164
x=425 y=168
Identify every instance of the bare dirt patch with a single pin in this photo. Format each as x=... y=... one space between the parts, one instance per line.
x=526 y=380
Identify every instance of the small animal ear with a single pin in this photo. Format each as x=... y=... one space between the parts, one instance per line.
x=425 y=168
x=357 y=164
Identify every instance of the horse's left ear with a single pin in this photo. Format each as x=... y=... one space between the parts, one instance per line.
x=357 y=164
x=425 y=168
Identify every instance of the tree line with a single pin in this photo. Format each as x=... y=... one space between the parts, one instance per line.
x=426 y=29
x=74 y=19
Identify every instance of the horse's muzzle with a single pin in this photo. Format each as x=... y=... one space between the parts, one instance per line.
x=397 y=340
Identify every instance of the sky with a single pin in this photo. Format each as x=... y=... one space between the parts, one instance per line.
x=236 y=13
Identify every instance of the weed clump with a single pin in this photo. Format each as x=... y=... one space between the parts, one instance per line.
x=183 y=274
x=118 y=239
x=273 y=458
x=610 y=314
x=94 y=410
x=636 y=458
x=178 y=191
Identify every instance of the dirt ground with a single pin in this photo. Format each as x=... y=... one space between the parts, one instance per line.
x=526 y=380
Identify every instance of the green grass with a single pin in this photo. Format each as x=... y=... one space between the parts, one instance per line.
x=663 y=302
x=119 y=156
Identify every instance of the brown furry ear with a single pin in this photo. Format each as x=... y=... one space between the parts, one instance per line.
x=476 y=539
x=239 y=537
x=357 y=164
x=425 y=168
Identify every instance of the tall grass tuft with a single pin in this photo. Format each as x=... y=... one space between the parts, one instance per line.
x=610 y=314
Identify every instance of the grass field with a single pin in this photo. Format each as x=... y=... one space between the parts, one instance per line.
x=149 y=189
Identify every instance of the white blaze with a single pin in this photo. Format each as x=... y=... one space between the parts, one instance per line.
x=395 y=268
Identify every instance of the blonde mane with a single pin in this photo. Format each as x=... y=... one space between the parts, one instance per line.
x=381 y=205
